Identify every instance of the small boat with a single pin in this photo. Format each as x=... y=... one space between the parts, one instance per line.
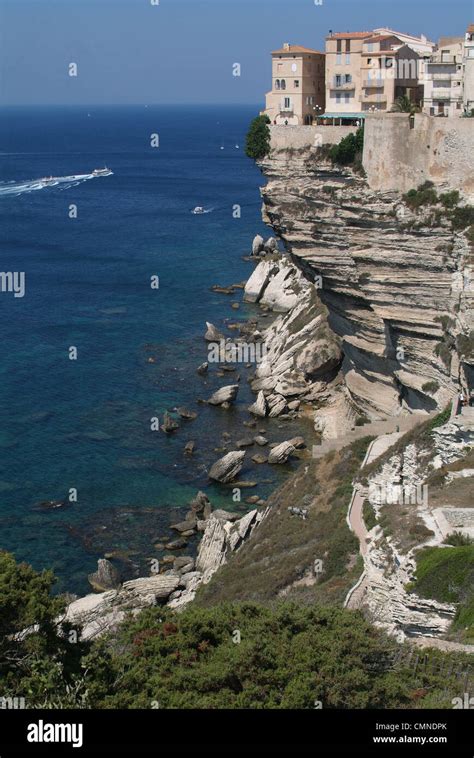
x=47 y=179
x=101 y=171
x=197 y=210
x=237 y=147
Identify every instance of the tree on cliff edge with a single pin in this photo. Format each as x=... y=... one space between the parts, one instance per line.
x=257 y=144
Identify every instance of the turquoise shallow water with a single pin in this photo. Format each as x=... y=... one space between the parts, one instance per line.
x=85 y=424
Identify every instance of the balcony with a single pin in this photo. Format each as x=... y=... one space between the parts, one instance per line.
x=371 y=83
x=344 y=87
x=438 y=61
x=443 y=77
x=439 y=93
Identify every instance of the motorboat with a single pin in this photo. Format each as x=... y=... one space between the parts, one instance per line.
x=101 y=171
x=198 y=210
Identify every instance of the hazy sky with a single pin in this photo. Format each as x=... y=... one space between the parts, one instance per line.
x=181 y=51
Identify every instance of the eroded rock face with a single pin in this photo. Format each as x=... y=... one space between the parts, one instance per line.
x=301 y=353
x=389 y=568
x=390 y=281
x=98 y=614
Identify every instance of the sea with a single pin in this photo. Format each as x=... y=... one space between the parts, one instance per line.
x=92 y=354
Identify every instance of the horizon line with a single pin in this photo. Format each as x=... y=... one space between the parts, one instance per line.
x=124 y=105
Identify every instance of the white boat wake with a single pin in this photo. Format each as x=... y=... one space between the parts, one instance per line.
x=199 y=210
x=61 y=182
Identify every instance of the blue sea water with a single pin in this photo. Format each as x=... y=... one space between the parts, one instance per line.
x=85 y=423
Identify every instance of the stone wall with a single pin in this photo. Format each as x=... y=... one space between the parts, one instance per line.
x=297 y=137
x=398 y=157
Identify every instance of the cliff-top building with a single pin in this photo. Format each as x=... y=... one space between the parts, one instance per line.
x=297 y=94
x=367 y=72
x=443 y=79
x=468 y=71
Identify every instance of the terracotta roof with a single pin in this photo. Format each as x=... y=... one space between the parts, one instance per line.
x=349 y=35
x=296 y=49
x=381 y=38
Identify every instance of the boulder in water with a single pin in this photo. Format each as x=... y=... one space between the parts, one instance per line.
x=226 y=469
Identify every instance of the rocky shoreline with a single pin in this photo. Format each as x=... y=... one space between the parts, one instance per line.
x=176 y=576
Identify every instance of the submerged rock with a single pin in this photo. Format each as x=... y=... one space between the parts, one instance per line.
x=169 y=424
x=203 y=368
x=185 y=413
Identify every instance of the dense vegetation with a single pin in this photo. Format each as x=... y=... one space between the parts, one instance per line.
x=349 y=150
x=257 y=144
x=230 y=656
x=45 y=659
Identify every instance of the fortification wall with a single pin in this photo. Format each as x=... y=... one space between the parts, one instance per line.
x=398 y=157
x=297 y=137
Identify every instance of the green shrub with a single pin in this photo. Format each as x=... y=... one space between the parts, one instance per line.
x=458 y=539
x=349 y=149
x=425 y=194
x=442 y=351
x=368 y=513
x=449 y=199
x=430 y=387
x=257 y=144
x=463 y=217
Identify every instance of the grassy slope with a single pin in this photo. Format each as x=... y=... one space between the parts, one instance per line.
x=277 y=561
x=447 y=575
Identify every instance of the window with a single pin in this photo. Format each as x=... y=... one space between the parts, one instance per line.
x=287 y=103
x=339 y=45
x=277 y=84
x=338 y=97
x=370 y=47
x=309 y=100
x=348 y=45
x=283 y=84
x=346 y=97
x=348 y=58
x=297 y=83
x=348 y=78
x=338 y=80
x=338 y=59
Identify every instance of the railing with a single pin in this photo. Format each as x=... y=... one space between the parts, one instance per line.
x=444 y=59
x=373 y=82
x=343 y=86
